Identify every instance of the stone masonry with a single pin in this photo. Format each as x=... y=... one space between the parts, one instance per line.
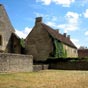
x=16 y=63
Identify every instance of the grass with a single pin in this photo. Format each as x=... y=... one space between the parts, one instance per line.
x=45 y=79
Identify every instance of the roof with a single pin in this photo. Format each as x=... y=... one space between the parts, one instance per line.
x=58 y=36
x=14 y=34
x=5 y=19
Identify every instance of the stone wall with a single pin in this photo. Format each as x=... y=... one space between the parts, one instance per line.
x=80 y=65
x=39 y=43
x=83 y=53
x=6 y=28
x=71 y=52
x=40 y=67
x=16 y=63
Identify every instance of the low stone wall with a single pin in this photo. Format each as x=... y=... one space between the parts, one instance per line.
x=16 y=63
x=81 y=65
x=40 y=67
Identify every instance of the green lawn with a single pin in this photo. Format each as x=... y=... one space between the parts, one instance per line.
x=45 y=79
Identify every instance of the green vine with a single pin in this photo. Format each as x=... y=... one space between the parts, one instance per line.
x=59 y=50
x=22 y=42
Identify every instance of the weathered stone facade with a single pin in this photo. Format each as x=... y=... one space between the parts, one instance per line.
x=16 y=63
x=71 y=52
x=14 y=45
x=10 y=43
x=39 y=42
x=6 y=33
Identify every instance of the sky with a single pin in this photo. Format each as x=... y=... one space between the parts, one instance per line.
x=69 y=16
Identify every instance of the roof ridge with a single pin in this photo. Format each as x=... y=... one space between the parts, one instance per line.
x=58 y=36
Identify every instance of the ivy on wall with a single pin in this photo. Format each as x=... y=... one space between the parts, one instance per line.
x=59 y=50
x=22 y=43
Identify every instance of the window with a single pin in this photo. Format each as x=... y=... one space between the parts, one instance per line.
x=74 y=51
x=0 y=40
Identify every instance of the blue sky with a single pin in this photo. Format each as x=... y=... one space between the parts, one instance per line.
x=70 y=16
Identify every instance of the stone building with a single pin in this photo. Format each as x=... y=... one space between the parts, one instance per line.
x=11 y=59
x=43 y=42
x=83 y=53
x=9 y=42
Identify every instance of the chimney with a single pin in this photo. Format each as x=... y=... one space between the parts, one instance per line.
x=38 y=20
x=64 y=34
x=0 y=4
x=68 y=37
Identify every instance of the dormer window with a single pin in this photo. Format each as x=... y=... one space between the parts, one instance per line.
x=0 y=40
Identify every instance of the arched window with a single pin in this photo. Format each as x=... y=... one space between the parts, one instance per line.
x=0 y=40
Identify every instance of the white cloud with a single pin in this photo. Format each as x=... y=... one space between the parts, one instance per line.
x=86 y=13
x=64 y=3
x=76 y=42
x=46 y=16
x=38 y=14
x=42 y=15
x=45 y=2
x=72 y=17
x=86 y=33
x=52 y=24
x=71 y=24
x=23 y=33
x=54 y=18
x=68 y=27
x=82 y=2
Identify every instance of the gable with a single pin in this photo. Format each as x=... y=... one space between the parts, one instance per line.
x=5 y=24
x=38 y=32
x=6 y=28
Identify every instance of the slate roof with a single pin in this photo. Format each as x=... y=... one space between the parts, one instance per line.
x=58 y=36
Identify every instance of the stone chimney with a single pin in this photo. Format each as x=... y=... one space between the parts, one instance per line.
x=38 y=20
x=68 y=37
x=64 y=34
x=0 y=4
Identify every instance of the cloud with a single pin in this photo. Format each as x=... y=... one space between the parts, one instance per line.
x=86 y=33
x=38 y=14
x=46 y=16
x=76 y=42
x=72 y=17
x=52 y=24
x=71 y=24
x=45 y=2
x=68 y=27
x=42 y=15
x=64 y=3
x=82 y=2
x=23 y=33
x=54 y=18
x=86 y=13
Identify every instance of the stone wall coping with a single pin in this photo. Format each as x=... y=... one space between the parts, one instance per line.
x=12 y=54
